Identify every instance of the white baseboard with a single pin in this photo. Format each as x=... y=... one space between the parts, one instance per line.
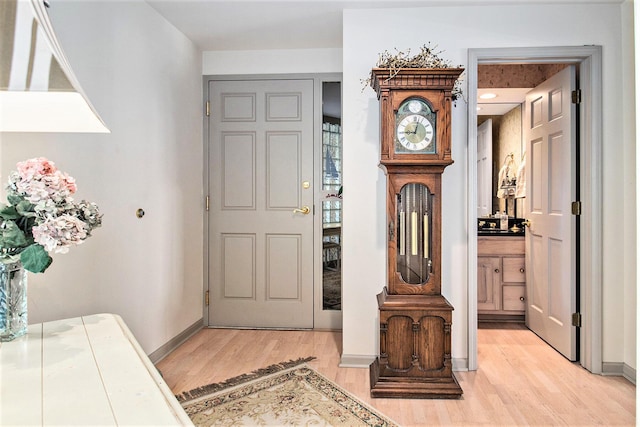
x=356 y=361
x=619 y=369
x=173 y=343
x=460 y=365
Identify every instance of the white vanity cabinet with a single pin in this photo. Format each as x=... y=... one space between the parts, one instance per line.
x=501 y=278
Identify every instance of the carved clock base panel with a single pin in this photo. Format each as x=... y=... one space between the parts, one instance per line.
x=412 y=388
x=415 y=348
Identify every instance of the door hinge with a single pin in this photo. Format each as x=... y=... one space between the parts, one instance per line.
x=207 y=108
x=576 y=320
x=576 y=208
x=206 y=298
x=206 y=203
x=576 y=96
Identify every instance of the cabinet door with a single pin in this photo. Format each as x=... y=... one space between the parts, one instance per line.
x=489 y=284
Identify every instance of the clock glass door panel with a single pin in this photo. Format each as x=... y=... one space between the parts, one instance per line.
x=414 y=212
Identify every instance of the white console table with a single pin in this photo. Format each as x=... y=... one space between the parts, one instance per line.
x=83 y=371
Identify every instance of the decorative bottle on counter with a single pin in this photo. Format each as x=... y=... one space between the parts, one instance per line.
x=504 y=221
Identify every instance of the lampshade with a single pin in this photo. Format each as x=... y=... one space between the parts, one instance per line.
x=38 y=90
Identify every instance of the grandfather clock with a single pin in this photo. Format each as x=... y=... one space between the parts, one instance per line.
x=415 y=319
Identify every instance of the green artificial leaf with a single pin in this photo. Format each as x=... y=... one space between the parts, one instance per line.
x=14 y=199
x=25 y=208
x=35 y=259
x=8 y=212
x=11 y=236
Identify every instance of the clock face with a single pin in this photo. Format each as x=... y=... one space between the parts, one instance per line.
x=414 y=132
x=415 y=128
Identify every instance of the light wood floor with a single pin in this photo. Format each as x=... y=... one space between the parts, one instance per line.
x=520 y=380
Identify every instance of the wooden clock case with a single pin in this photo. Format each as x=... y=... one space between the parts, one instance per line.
x=415 y=319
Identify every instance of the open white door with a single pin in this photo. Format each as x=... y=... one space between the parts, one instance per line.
x=485 y=172
x=549 y=131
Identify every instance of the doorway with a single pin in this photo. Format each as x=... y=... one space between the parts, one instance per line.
x=588 y=58
x=263 y=179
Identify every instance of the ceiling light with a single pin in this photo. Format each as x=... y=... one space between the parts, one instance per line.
x=488 y=95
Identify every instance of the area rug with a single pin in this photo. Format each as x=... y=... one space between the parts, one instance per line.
x=287 y=394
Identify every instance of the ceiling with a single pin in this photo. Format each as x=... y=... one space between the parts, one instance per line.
x=272 y=24
x=505 y=100
x=287 y=24
x=299 y=24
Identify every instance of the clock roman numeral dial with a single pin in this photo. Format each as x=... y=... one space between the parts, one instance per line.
x=415 y=132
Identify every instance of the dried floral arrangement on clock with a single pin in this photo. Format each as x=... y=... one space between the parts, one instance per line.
x=427 y=57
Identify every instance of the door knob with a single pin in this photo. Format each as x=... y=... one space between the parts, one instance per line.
x=303 y=210
x=526 y=223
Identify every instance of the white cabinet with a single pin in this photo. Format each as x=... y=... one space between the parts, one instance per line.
x=501 y=278
x=83 y=371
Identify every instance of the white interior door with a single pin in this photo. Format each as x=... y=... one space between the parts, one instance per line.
x=260 y=171
x=485 y=166
x=549 y=131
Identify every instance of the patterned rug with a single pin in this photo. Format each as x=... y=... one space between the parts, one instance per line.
x=290 y=394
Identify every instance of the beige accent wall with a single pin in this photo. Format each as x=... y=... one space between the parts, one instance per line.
x=515 y=75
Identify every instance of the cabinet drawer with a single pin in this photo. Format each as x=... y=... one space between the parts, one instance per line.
x=504 y=245
x=513 y=297
x=513 y=270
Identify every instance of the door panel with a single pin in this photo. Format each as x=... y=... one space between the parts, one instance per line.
x=238 y=255
x=283 y=267
x=283 y=175
x=550 y=240
x=238 y=165
x=260 y=250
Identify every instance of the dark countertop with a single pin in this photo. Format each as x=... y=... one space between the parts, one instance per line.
x=485 y=229
x=499 y=233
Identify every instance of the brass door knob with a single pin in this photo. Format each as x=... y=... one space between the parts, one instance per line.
x=526 y=223
x=303 y=210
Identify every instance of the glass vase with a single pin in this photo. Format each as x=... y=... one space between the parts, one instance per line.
x=13 y=299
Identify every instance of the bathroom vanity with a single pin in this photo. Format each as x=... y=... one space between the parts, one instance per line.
x=501 y=276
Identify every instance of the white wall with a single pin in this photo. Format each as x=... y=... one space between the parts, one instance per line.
x=454 y=30
x=285 y=61
x=143 y=77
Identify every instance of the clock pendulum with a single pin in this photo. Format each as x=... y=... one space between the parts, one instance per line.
x=415 y=319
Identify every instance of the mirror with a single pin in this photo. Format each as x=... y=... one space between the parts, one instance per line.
x=331 y=196
x=507 y=155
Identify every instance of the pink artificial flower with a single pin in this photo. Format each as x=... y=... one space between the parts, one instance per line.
x=35 y=167
x=38 y=179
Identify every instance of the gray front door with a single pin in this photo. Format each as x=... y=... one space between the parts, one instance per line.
x=261 y=214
